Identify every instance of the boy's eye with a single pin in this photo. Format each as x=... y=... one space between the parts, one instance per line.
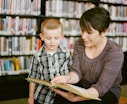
x=48 y=38
x=57 y=38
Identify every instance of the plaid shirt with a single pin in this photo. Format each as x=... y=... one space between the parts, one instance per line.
x=45 y=66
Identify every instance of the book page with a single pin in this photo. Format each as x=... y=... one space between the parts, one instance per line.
x=68 y=87
x=43 y=82
x=83 y=92
x=76 y=90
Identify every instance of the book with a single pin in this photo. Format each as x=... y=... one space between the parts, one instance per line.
x=67 y=87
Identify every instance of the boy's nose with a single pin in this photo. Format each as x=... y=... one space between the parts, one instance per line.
x=52 y=40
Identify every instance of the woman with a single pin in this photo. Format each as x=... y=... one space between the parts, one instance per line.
x=97 y=62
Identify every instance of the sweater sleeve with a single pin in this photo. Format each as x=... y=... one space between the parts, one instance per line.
x=111 y=74
x=76 y=58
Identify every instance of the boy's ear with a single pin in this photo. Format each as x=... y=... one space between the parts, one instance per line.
x=62 y=35
x=41 y=36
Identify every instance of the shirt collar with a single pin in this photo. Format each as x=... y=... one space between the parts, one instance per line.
x=60 y=49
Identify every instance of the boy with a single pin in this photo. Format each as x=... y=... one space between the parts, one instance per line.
x=50 y=61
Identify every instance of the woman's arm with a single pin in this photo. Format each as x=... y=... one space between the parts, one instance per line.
x=111 y=73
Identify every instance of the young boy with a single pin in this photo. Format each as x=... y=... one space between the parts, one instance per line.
x=50 y=61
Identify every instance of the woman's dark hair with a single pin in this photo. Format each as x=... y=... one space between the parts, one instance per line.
x=97 y=18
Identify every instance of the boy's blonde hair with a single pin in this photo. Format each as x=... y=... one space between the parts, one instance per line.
x=50 y=24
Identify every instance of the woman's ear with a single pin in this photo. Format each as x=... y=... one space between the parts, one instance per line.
x=103 y=34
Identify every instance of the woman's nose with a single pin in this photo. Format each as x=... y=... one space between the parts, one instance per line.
x=84 y=35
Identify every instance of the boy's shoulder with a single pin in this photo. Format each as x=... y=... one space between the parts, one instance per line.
x=63 y=49
x=39 y=52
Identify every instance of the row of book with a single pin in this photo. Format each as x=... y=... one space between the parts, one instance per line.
x=19 y=45
x=26 y=26
x=62 y=8
x=121 y=41
x=115 y=1
x=18 y=26
x=116 y=12
x=117 y=29
x=20 y=64
x=10 y=46
x=15 y=65
x=71 y=27
x=29 y=7
x=69 y=43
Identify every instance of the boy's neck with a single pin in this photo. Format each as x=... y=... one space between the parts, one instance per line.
x=51 y=52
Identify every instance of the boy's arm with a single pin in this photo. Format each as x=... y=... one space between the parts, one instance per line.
x=31 y=93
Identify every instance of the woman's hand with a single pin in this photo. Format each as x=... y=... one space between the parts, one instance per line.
x=69 y=96
x=93 y=91
x=61 y=79
x=71 y=78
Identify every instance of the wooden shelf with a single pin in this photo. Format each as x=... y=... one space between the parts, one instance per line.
x=13 y=87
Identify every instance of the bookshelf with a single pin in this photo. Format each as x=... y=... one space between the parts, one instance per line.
x=13 y=87
x=69 y=12
x=70 y=18
x=20 y=22
x=19 y=39
x=118 y=28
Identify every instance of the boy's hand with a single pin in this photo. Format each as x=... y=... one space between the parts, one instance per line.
x=30 y=100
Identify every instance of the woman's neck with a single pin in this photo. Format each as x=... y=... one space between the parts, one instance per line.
x=93 y=52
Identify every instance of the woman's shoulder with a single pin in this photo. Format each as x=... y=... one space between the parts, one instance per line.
x=114 y=46
x=113 y=49
x=79 y=41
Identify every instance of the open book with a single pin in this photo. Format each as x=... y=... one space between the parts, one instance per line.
x=67 y=87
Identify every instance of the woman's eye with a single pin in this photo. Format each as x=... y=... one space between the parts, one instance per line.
x=82 y=30
x=89 y=32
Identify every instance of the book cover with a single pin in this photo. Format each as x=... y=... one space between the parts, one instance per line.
x=67 y=87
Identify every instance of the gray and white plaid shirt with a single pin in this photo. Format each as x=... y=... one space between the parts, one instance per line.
x=45 y=66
